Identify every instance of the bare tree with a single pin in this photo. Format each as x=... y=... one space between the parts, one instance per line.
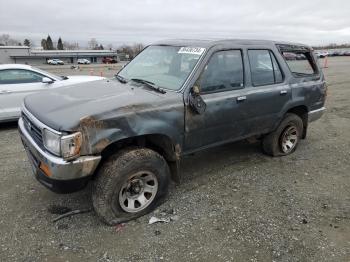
x=137 y=48
x=126 y=49
x=44 y=44
x=110 y=47
x=5 y=39
x=71 y=46
x=92 y=44
x=131 y=51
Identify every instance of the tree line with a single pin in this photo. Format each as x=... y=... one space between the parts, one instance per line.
x=332 y=46
x=47 y=44
x=6 y=39
x=130 y=51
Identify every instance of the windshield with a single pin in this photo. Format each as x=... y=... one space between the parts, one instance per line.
x=165 y=66
x=48 y=74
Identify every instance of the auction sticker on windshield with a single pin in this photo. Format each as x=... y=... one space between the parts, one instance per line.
x=191 y=50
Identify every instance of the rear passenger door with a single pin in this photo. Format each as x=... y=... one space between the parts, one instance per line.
x=267 y=95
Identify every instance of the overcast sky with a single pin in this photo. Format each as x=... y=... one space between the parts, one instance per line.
x=129 y=21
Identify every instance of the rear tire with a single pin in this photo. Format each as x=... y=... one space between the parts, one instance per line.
x=285 y=139
x=130 y=184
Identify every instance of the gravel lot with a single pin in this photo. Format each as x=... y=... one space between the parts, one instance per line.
x=234 y=204
x=107 y=70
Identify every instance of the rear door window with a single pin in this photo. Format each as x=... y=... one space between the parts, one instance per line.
x=264 y=68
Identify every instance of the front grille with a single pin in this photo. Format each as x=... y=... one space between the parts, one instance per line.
x=34 y=131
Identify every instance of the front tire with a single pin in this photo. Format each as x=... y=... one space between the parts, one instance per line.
x=285 y=139
x=130 y=184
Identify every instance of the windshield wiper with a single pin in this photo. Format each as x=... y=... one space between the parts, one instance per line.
x=121 y=79
x=149 y=84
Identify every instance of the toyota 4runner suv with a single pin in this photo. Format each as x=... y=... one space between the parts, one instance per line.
x=128 y=134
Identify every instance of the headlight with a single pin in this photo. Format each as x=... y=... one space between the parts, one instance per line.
x=70 y=145
x=66 y=146
x=52 y=142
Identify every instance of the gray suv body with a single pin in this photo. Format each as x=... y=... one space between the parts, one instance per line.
x=176 y=97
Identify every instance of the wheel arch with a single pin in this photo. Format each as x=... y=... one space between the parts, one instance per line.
x=160 y=143
x=302 y=112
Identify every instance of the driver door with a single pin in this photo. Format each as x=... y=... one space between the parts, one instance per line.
x=15 y=84
x=221 y=87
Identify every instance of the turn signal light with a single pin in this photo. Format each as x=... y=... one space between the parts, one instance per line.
x=45 y=168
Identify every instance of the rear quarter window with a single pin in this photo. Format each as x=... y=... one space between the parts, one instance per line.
x=300 y=63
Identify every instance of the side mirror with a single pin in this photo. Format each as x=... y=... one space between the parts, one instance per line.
x=196 y=101
x=47 y=80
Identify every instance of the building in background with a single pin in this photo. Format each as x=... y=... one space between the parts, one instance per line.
x=25 y=55
x=6 y=53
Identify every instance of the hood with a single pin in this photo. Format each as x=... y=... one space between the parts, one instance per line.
x=63 y=108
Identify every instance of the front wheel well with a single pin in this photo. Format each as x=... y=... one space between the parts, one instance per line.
x=162 y=144
x=302 y=112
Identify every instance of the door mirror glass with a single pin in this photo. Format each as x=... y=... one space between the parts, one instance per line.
x=196 y=101
x=47 y=80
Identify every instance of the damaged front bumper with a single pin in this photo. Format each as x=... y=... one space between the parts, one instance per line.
x=55 y=173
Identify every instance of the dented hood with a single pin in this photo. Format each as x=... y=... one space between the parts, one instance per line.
x=63 y=108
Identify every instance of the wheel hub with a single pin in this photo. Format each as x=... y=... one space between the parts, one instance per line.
x=138 y=191
x=135 y=187
x=289 y=139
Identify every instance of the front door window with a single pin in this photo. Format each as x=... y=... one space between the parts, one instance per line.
x=223 y=72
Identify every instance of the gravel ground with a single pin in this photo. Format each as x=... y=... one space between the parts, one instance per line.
x=106 y=70
x=234 y=204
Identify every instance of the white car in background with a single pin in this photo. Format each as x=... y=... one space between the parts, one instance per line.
x=321 y=54
x=83 y=61
x=18 y=81
x=55 y=62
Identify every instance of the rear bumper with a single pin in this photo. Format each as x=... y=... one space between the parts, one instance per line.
x=316 y=114
x=63 y=176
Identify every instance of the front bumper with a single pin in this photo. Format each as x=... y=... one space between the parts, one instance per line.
x=316 y=114
x=63 y=176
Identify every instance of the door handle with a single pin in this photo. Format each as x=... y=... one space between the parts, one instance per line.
x=241 y=98
x=283 y=92
x=5 y=92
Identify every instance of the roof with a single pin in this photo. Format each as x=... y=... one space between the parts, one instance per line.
x=15 y=66
x=14 y=47
x=207 y=43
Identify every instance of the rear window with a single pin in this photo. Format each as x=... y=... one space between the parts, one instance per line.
x=300 y=63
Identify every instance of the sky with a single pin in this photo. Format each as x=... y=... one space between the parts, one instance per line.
x=145 y=21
